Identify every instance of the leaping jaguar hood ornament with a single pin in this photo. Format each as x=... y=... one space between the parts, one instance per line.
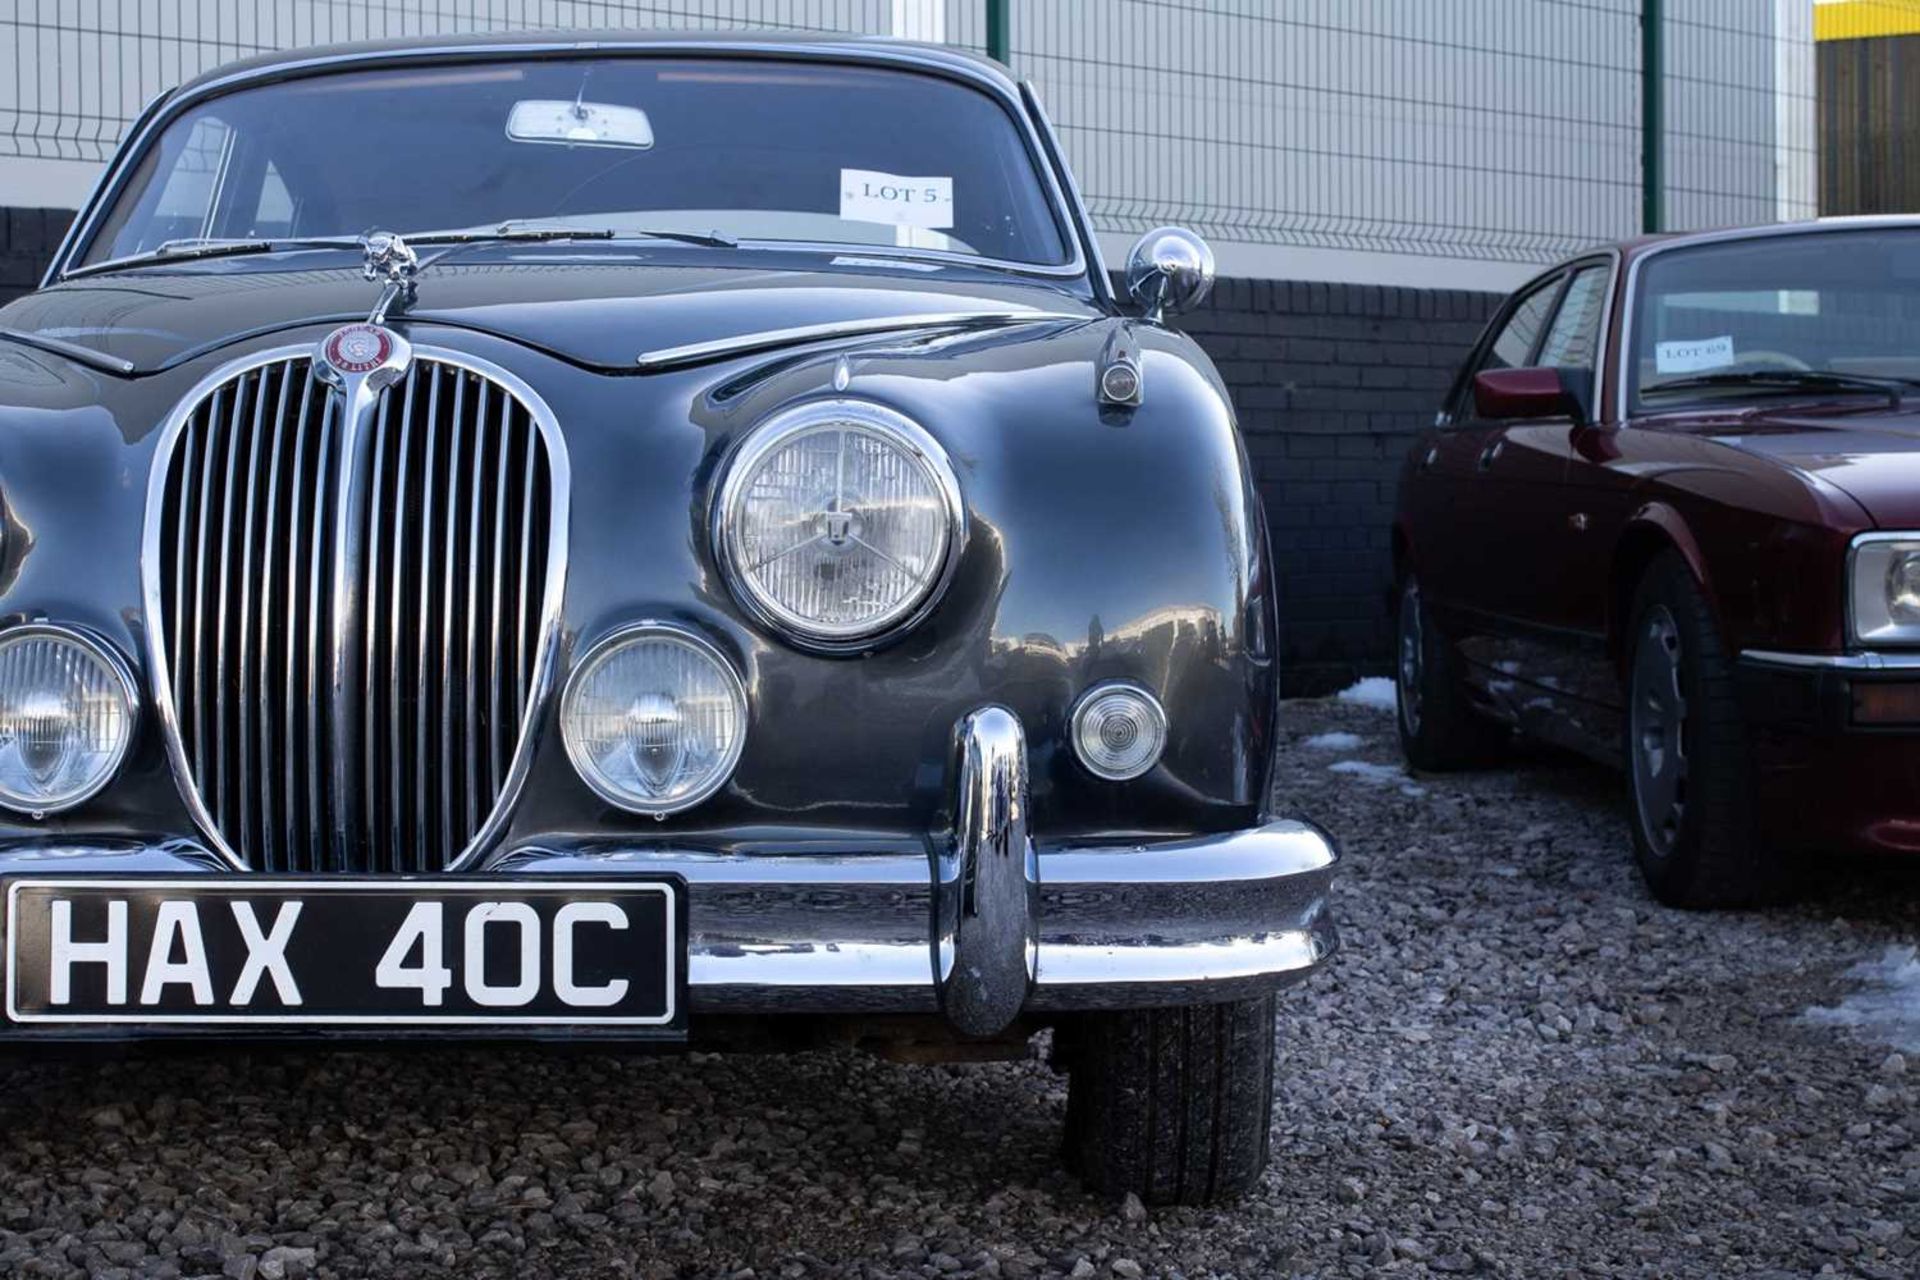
x=395 y=266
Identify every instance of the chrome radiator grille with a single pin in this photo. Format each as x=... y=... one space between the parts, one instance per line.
x=447 y=637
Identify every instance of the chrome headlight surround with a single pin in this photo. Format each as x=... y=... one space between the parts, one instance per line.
x=819 y=417
x=120 y=679
x=1883 y=589
x=609 y=646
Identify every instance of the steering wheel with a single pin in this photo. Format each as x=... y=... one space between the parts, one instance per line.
x=1771 y=359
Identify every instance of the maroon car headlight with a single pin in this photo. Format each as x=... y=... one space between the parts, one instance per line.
x=1883 y=605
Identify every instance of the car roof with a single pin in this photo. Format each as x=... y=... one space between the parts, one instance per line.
x=882 y=49
x=1640 y=245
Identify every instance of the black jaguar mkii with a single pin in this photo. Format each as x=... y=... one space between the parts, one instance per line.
x=644 y=538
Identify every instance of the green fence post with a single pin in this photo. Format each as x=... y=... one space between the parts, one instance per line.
x=1653 y=116
x=997 y=25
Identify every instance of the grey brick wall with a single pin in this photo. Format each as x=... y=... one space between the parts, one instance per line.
x=1331 y=381
x=28 y=238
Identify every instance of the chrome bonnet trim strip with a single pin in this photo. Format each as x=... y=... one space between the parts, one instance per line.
x=72 y=351
x=767 y=339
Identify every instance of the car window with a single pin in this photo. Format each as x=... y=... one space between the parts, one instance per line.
x=1571 y=341
x=752 y=149
x=1514 y=345
x=1510 y=347
x=275 y=214
x=184 y=205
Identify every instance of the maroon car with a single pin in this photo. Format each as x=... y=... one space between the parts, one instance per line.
x=1670 y=513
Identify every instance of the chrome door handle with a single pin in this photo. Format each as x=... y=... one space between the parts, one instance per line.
x=1489 y=454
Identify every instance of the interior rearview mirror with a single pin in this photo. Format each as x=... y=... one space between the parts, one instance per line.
x=579 y=124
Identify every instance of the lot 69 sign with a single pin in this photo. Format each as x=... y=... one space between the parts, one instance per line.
x=333 y=953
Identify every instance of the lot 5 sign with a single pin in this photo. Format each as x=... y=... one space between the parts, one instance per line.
x=342 y=953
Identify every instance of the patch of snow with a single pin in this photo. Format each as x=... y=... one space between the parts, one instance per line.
x=1887 y=1006
x=1374 y=691
x=1377 y=775
x=1332 y=742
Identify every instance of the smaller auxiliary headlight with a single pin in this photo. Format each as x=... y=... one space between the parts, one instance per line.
x=67 y=712
x=1119 y=731
x=654 y=719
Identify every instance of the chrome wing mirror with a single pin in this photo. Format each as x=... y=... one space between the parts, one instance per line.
x=1170 y=270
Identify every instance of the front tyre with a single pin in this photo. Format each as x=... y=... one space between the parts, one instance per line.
x=1174 y=1105
x=1689 y=768
x=1439 y=729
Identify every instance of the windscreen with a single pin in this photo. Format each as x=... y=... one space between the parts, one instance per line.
x=750 y=149
x=1841 y=301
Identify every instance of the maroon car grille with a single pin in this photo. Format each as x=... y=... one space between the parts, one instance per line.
x=455 y=552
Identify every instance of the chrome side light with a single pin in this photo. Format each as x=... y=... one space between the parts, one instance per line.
x=68 y=707
x=1119 y=731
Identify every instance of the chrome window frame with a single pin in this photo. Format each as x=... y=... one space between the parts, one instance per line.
x=546 y=660
x=1075 y=235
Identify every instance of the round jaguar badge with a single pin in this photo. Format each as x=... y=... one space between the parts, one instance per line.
x=357 y=348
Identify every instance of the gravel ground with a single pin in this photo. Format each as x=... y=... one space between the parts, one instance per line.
x=1520 y=1066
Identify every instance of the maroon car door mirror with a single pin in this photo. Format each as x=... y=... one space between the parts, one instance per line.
x=1504 y=394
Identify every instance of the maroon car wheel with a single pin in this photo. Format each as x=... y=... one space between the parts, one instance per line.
x=1439 y=729
x=1689 y=769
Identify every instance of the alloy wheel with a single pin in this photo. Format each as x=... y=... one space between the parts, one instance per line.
x=1412 y=660
x=1657 y=731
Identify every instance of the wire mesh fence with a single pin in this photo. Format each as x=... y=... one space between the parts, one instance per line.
x=1504 y=130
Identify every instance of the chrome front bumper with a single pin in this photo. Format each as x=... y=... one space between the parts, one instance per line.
x=980 y=924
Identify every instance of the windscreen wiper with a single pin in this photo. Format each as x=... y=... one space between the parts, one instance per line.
x=1790 y=380
x=195 y=249
x=533 y=229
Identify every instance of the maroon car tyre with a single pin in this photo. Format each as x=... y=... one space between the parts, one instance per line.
x=1174 y=1105
x=1689 y=766
x=1439 y=729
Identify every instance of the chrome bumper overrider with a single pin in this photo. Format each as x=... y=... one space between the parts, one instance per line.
x=980 y=924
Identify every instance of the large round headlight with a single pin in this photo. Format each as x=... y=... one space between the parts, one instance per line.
x=838 y=522
x=654 y=719
x=67 y=708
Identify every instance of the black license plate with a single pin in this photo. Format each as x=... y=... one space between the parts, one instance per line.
x=278 y=952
